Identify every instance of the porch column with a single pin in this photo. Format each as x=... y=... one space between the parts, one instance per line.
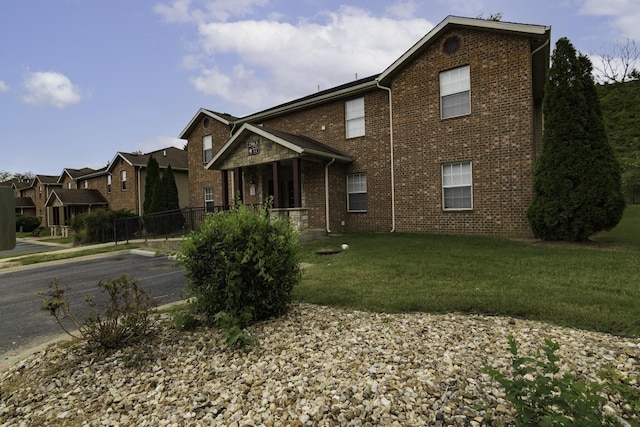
x=297 y=184
x=275 y=166
x=237 y=183
x=224 y=175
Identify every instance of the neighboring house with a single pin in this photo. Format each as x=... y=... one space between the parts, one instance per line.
x=444 y=140
x=119 y=185
x=63 y=204
x=31 y=195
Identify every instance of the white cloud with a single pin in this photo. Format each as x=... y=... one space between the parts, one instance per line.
x=48 y=88
x=184 y=11
x=624 y=13
x=3 y=87
x=259 y=63
x=402 y=9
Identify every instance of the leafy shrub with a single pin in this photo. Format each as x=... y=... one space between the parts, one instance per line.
x=97 y=226
x=542 y=396
x=242 y=264
x=122 y=320
x=27 y=223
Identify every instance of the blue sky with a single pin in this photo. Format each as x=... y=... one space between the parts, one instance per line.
x=83 y=79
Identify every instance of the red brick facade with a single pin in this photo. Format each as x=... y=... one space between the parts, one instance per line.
x=496 y=139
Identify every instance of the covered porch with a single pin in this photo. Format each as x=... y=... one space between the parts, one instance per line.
x=62 y=205
x=258 y=163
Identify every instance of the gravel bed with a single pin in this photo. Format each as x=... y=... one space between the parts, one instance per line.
x=317 y=366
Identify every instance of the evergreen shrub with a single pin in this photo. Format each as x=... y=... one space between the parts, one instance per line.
x=242 y=264
x=28 y=223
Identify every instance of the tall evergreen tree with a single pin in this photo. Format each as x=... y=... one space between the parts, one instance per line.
x=576 y=190
x=170 y=189
x=152 y=177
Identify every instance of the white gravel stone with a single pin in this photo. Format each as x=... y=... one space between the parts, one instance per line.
x=316 y=366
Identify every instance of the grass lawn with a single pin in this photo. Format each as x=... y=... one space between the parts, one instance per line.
x=594 y=286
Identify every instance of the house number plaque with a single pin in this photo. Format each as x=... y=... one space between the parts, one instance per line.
x=254 y=147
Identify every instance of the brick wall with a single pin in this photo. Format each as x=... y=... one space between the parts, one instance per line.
x=497 y=137
x=119 y=198
x=199 y=177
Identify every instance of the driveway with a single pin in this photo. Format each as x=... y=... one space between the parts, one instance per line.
x=24 y=325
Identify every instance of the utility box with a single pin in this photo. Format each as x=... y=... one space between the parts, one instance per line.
x=7 y=219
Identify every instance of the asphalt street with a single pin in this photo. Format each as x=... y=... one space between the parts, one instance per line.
x=24 y=325
x=27 y=247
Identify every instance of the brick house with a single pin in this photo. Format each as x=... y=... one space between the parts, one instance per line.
x=442 y=141
x=119 y=185
x=30 y=195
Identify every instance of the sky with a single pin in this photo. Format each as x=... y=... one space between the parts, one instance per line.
x=81 y=80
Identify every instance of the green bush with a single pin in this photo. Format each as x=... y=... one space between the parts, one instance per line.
x=97 y=227
x=123 y=319
x=542 y=396
x=27 y=223
x=242 y=264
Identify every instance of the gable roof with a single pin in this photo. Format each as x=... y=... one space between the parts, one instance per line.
x=177 y=158
x=66 y=197
x=224 y=118
x=300 y=144
x=47 y=179
x=538 y=34
x=75 y=173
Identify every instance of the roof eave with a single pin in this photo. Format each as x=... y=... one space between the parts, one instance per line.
x=187 y=129
x=350 y=91
x=458 y=21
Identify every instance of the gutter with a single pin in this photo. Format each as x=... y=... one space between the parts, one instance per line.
x=326 y=194
x=393 y=180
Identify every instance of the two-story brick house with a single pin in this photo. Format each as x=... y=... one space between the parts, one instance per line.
x=119 y=185
x=31 y=195
x=444 y=140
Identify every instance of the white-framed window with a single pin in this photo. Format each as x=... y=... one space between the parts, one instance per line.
x=108 y=183
x=85 y=184
x=40 y=191
x=207 y=148
x=455 y=92
x=357 y=192
x=208 y=199
x=354 y=117
x=68 y=186
x=123 y=180
x=457 y=191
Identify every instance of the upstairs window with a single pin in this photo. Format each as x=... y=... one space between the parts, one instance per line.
x=456 y=186
x=85 y=184
x=123 y=180
x=357 y=192
x=455 y=93
x=68 y=186
x=207 y=149
x=108 y=183
x=354 y=117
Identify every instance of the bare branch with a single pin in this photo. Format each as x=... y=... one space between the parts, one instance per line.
x=619 y=64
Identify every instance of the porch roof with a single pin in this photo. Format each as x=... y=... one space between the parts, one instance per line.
x=24 y=202
x=66 y=197
x=300 y=144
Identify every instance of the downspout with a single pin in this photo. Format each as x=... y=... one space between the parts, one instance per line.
x=535 y=143
x=326 y=194
x=393 y=179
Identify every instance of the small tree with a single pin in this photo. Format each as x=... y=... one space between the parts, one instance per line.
x=153 y=176
x=577 y=189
